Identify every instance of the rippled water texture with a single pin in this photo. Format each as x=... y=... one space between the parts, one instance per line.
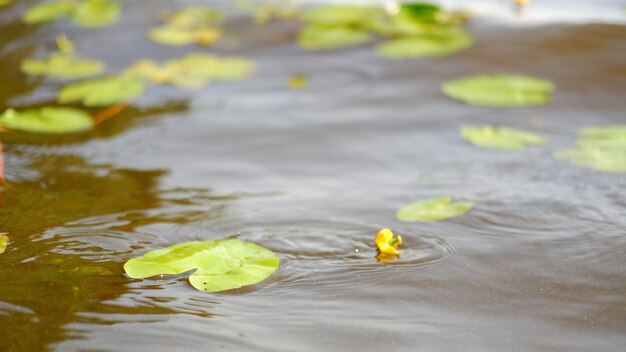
x=313 y=174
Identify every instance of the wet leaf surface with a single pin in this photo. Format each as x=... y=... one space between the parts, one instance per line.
x=47 y=120
x=221 y=264
x=500 y=90
x=437 y=43
x=434 y=209
x=500 y=137
x=602 y=148
x=102 y=91
x=321 y=37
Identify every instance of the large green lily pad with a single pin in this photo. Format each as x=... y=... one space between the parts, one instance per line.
x=102 y=91
x=434 y=209
x=85 y=13
x=438 y=43
x=500 y=90
x=47 y=120
x=49 y=11
x=220 y=264
x=322 y=37
x=500 y=137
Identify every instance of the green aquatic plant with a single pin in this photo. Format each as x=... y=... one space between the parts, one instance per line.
x=342 y=15
x=219 y=265
x=63 y=64
x=439 y=42
x=52 y=120
x=190 y=25
x=602 y=148
x=321 y=37
x=500 y=90
x=433 y=209
x=5 y=2
x=193 y=70
x=102 y=91
x=84 y=13
x=500 y=137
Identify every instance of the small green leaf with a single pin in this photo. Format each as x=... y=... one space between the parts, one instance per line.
x=193 y=17
x=220 y=264
x=318 y=37
x=434 y=209
x=47 y=120
x=617 y=132
x=49 y=11
x=342 y=15
x=61 y=65
x=607 y=160
x=444 y=42
x=421 y=12
x=175 y=36
x=96 y=13
x=500 y=137
x=102 y=91
x=500 y=90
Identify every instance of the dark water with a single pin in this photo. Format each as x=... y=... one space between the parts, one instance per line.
x=538 y=265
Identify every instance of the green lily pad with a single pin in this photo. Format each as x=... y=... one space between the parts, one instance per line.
x=193 y=17
x=47 y=120
x=319 y=37
x=193 y=70
x=617 y=132
x=4 y=240
x=606 y=160
x=500 y=90
x=444 y=42
x=49 y=11
x=220 y=264
x=175 y=36
x=500 y=137
x=5 y=3
x=341 y=15
x=434 y=209
x=421 y=12
x=96 y=13
x=62 y=65
x=102 y=91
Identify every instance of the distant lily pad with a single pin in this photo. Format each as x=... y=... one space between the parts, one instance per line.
x=321 y=37
x=443 y=42
x=85 y=13
x=194 y=16
x=5 y=3
x=175 y=36
x=500 y=137
x=220 y=264
x=421 y=12
x=47 y=120
x=102 y=91
x=617 y=132
x=601 y=148
x=193 y=70
x=434 y=209
x=96 y=13
x=342 y=15
x=500 y=90
x=49 y=11
x=62 y=65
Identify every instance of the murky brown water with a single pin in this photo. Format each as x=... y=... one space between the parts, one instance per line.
x=538 y=265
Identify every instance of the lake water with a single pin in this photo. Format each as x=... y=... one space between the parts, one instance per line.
x=539 y=264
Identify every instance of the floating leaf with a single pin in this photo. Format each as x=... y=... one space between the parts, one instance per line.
x=500 y=90
x=194 y=16
x=193 y=70
x=47 y=120
x=5 y=3
x=500 y=137
x=342 y=15
x=102 y=91
x=319 y=37
x=3 y=242
x=386 y=243
x=221 y=264
x=168 y=35
x=96 y=13
x=421 y=12
x=298 y=81
x=433 y=209
x=49 y=11
x=446 y=41
x=601 y=147
x=61 y=65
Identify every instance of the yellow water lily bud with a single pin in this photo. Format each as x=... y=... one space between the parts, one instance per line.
x=387 y=243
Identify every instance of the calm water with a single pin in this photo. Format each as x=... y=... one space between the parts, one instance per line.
x=313 y=174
